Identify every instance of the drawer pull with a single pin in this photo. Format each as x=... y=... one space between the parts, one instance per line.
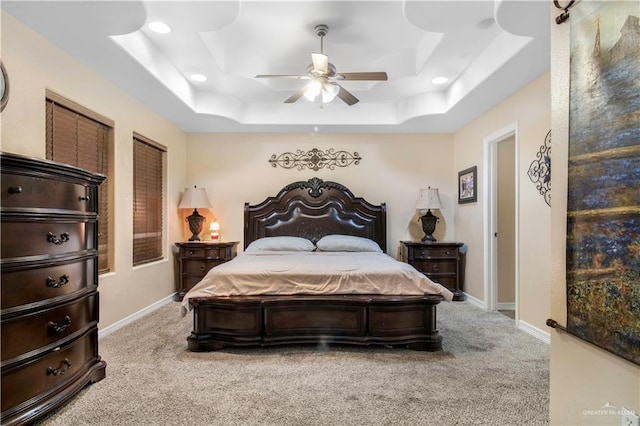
x=436 y=267
x=64 y=237
x=15 y=190
x=59 y=328
x=57 y=284
x=87 y=198
x=203 y=267
x=66 y=364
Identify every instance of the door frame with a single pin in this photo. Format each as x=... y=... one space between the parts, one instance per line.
x=491 y=216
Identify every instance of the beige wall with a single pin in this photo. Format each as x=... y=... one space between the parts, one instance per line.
x=234 y=168
x=529 y=110
x=583 y=377
x=29 y=60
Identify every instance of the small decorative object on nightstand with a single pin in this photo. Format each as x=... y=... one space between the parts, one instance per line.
x=194 y=198
x=429 y=199
x=197 y=258
x=442 y=262
x=214 y=228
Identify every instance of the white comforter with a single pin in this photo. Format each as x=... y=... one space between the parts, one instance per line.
x=287 y=273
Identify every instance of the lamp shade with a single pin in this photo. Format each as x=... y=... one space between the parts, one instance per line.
x=428 y=199
x=194 y=198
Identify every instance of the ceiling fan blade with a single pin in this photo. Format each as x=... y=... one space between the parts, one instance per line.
x=346 y=96
x=320 y=62
x=291 y=99
x=301 y=77
x=373 y=76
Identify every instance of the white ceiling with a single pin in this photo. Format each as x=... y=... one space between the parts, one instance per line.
x=487 y=50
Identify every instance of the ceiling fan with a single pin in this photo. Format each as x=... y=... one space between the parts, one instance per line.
x=324 y=78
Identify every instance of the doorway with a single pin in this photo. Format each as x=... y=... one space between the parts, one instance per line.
x=501 y=221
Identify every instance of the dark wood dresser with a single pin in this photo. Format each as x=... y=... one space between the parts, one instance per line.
x=196 y=258
x=443 y=263
x=49 y=304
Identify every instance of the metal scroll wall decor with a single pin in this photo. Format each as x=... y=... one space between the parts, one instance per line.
x=540 y=169
x=315 y=159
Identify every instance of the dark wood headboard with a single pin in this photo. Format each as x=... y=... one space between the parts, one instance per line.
x=313 y=209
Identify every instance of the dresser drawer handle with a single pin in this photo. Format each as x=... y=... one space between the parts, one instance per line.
x=57 y=284
x=66 y=364
x=448 y=253
x=87 y=198
x=436 y=267
x=203 y=267
x=59 y=328
x=64 y=237
x=15 y=190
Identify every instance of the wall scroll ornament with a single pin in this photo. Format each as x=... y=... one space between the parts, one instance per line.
x=315 y=159
x=540 y=169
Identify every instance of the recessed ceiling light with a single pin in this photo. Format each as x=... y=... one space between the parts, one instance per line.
x=198 y=77
x=159 y=27
x=440 y=80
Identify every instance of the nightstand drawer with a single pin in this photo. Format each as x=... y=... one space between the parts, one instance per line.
x=435 y=253
x=199 y=268
x=431 y=267
x=209 y=253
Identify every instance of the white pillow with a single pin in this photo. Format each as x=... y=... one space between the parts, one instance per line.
x=347 y=243
x=281 y=244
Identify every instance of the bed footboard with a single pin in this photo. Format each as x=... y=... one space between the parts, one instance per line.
x=275 y=320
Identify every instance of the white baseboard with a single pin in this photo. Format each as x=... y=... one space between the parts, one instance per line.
x=506 y=306
x=476 y=302
x=135 y=316
x=534 y=331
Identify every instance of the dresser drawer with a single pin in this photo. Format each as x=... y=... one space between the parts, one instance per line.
x=39 y=238
x=21 y=285
x=19 y=191
x=434 y=253
x=23 y=382
x=26 y=333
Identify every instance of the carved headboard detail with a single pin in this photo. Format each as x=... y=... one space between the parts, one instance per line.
x=313 y=209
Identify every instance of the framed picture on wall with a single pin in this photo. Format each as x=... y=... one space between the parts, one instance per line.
x=468 y=185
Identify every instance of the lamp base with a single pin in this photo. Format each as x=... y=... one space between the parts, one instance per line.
x=196 y=220
x=429 y=221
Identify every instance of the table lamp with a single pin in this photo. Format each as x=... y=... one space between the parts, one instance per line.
x=428 y=199
x=194 y=198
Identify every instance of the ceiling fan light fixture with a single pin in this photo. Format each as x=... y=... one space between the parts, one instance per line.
x=313 y=90
x=329 y=92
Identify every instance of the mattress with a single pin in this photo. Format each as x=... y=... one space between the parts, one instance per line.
x=281 y=273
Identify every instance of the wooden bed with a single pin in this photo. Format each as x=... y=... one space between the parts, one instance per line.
x=313 y=209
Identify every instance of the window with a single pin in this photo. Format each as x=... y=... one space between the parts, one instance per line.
x=80 y=137
x=148 y=172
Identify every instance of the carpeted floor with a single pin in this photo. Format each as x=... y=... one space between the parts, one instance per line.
x=489 y=373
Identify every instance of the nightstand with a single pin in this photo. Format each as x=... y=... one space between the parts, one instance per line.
x=196 y=258
x=441 y=262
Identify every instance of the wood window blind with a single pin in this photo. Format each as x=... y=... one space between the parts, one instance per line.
x=147 y=200
x=79 y=137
